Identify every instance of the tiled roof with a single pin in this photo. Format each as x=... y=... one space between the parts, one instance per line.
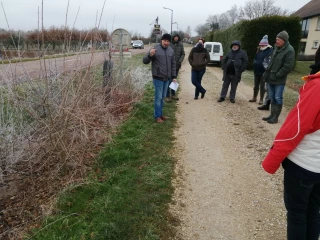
x=311 y=9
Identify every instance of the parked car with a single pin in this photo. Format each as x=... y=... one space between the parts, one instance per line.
x=138 y=44
x=215 y=51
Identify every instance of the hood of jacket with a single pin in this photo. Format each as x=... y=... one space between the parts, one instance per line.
x=236 y=42
x=176 y=35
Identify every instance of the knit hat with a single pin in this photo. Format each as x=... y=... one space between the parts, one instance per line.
x=283 y=35
x=264 y=41
x=166 y=36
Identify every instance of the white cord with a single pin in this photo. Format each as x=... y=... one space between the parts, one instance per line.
x=288 y=139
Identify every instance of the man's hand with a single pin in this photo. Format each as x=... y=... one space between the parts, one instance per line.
x=174 y=80
x=152 y=52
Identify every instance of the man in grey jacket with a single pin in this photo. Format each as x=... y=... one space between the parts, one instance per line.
x=233 y=65
x=163 y=69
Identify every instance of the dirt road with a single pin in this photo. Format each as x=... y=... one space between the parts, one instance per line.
x=221 y=190
x=24 y=71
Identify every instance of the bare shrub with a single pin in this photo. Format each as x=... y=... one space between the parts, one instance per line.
x=51 y=128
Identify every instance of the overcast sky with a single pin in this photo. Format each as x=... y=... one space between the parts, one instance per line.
x=132 y=15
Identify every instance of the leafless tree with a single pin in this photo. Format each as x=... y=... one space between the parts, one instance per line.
x=213 y=22
x=234 y=14
x=259 y=8
x=201 y=30
x=188 y=31
x=225 y=20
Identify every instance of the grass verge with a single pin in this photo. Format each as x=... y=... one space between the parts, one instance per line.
x=128 y=191
x=293 y=84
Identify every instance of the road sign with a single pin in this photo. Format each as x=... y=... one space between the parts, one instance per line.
x=120 y=38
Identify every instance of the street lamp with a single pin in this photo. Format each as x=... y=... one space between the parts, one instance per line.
x=177 y=25
x=171 y=17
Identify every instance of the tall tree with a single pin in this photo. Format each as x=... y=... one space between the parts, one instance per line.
x=188 y=31
x=201 y=30
x=258 y=8
x=213 y=22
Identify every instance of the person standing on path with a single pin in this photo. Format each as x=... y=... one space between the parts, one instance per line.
x=198 y=59
x=233 y=65
x=179 y=54
x=296 y=147
x=264 y=50
x=281 y=64
x=163 y=69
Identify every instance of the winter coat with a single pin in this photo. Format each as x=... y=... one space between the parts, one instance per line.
x=239 y=59
x=258 y=67
x=198 y=58
x=281 y=64
x=317 y=56
x=299 y=137
x=163 y=63
x=178 y=50
x=316 y=66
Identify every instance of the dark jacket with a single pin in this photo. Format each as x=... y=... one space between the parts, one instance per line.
x=258 y=67
x=281 y=64
x=317 y=56
x=163 y=63
x=238 y=58
x=316 y=66
x=198 y=58
x=178 y=50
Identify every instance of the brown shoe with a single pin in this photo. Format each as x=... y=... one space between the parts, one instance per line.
x=159 y=120
x=168 y=99
x=164 y=117
x=175 y=98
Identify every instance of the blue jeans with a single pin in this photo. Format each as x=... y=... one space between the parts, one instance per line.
x=196 y=78
x=160 y=91
x=302 y=201
x=276 y=93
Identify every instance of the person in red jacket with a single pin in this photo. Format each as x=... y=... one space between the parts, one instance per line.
x=297 y=148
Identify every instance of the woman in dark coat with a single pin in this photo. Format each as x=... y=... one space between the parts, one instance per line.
x=263 y=52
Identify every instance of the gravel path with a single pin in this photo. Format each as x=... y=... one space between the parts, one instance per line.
x=221 y=190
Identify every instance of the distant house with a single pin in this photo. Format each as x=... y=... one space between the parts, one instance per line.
x=310 y=15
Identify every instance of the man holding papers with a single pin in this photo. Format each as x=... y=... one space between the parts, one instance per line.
x=163 y=69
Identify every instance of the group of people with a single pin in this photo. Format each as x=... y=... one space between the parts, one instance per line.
x=296 y=146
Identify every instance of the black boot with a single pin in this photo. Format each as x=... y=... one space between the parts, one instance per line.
x=271 y=113
x=265 y=106
x=254 y=98
x=277 y=111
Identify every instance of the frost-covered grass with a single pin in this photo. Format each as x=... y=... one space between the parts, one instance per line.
x=59 y=120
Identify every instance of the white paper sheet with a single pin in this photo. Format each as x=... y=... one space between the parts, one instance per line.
x=174 y=86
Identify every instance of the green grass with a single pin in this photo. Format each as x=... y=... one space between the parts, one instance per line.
x=127 y=193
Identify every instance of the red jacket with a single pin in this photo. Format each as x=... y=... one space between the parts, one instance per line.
x=299 y=137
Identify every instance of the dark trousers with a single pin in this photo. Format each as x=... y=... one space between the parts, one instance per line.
x=259 y=85
x=302 y=201
x=229 y=80
x=171 y=92
x=196 y=78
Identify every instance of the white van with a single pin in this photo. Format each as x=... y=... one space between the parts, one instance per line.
x=215 y=51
